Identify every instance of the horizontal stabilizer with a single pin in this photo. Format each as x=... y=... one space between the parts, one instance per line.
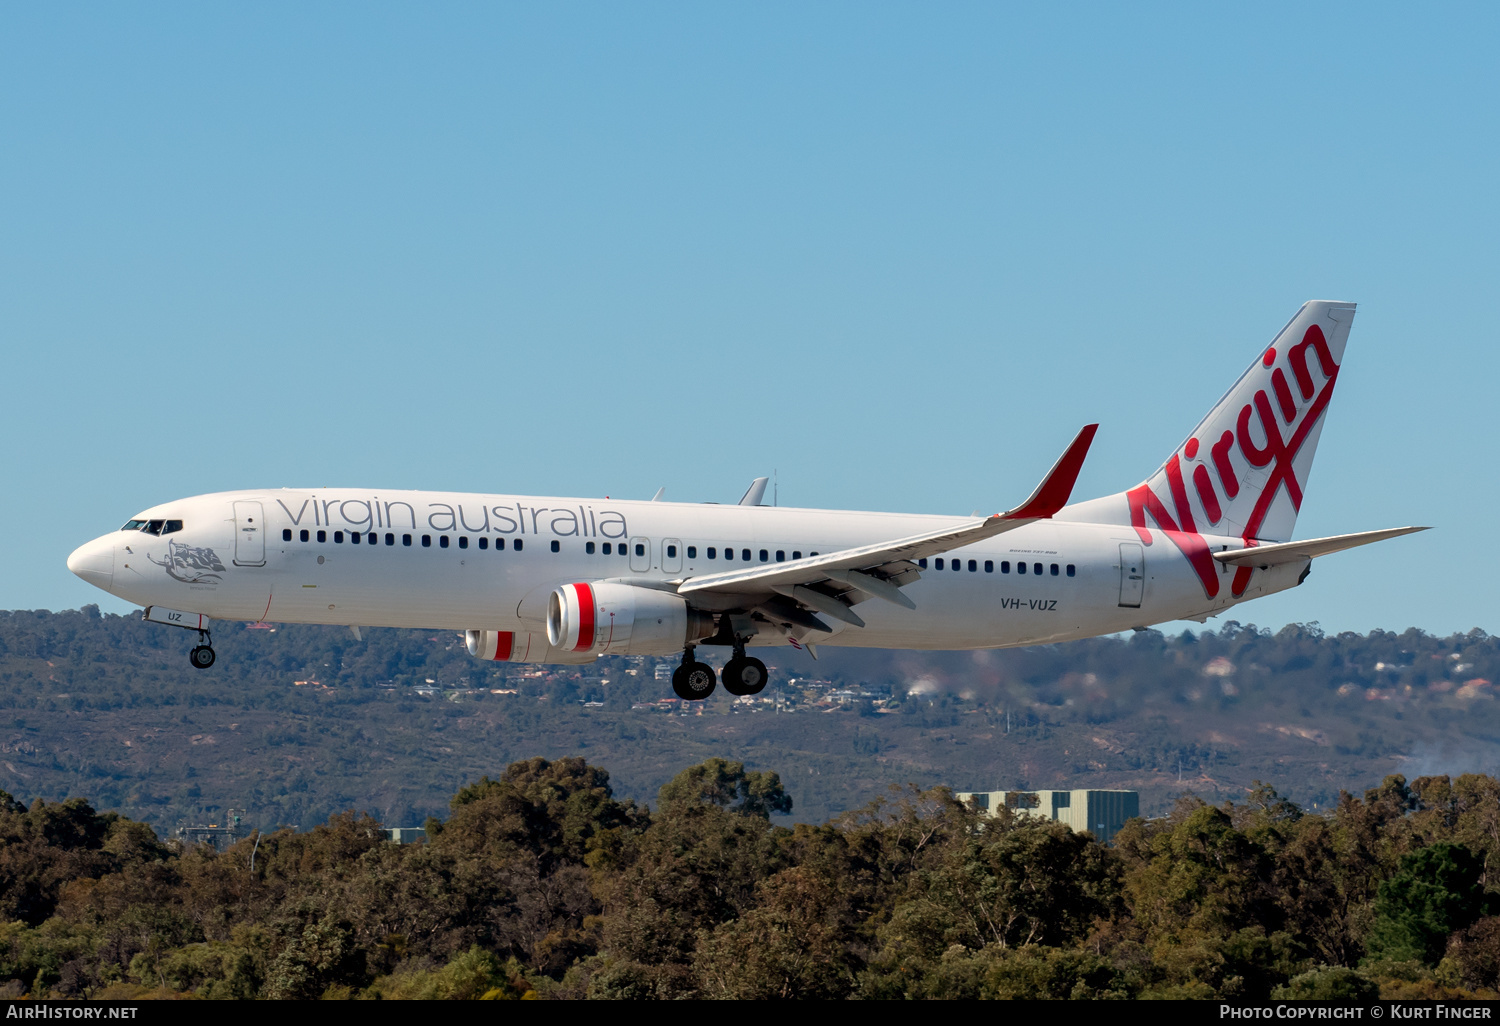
x=1264 y=556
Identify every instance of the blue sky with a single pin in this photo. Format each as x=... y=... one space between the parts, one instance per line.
x=896 y=253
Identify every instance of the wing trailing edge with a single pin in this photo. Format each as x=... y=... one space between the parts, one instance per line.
x=781 y=578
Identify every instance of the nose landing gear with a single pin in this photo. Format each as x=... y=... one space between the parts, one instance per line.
x=202 y=656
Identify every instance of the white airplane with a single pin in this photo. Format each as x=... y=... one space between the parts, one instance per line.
x=566 y=580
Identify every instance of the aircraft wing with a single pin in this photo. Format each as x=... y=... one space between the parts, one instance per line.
x=1265 y=556
x=833 y=581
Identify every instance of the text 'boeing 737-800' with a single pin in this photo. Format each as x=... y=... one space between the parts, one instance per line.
x=566 y=580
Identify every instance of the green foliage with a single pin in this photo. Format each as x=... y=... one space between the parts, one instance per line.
x=1433 y=892
x=473 y=975
x=541 y=882
x=1328 y=983
x=727 y=785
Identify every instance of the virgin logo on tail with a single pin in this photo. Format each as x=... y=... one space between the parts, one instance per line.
x=1265 y=415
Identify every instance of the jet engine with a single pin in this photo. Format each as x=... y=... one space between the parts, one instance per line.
x=520 y=647
x=604 y=617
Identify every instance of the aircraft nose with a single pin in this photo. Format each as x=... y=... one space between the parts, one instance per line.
x=95 y=562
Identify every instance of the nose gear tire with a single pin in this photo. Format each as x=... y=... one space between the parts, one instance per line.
x=693 y=681
x=202 y=657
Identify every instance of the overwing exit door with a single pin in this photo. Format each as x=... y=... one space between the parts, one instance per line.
x=640 y=554
x=249 y=535
x=1132 y=574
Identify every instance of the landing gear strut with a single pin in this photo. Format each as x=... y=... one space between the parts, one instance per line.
x=202 y=657
x=692 y=680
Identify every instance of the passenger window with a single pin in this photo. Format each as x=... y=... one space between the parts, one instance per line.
x=796 y=554
x=442 y=541
x=286 y=534
x=1054 y=569
x=355 y=537
x=958 y=564
x=406 y=539
x=973 y=566
x=728 y=553
x=390 y=539
x=692 y=552
x=499 y=544
x=484 y=543
x=303 y=534
x=1036 y=568
x=1005 y=566
x=426 y=541
x=713 y=553
x=338 y=537
x=640 y=550
x=922 y=562
x=938 y=562
x=372 y=538
x=765 y=557
x=322 y=537
x=172 y=526
x=517 y=544
x=671 y=551
x=607 y=548
x=1072 y=569
x=1020 y=568
x=463 y=541
x=780 y=556
x=556 y=546
x=989 y=566
x=588 y=547
x=810 y=554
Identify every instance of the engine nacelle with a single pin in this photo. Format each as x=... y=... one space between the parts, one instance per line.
x=520 y=647
x=617 y=619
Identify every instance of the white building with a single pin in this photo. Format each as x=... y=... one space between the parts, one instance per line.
x=1103 y=812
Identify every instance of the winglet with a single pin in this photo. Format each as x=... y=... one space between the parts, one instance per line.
x=1052 y=494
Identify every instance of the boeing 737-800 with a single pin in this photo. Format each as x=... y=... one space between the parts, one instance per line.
x=566 y=580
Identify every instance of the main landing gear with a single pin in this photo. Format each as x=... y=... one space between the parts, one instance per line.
x=202 y=657
x=743 y=675
x=693 y=681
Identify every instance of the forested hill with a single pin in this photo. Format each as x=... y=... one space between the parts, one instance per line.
x=298 y=723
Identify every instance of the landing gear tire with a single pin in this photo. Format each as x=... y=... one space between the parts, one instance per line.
x=202 y=657
x=744 y=675
x=693 y=681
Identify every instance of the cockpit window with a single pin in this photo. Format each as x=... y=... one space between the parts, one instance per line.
x=154 y=526
x=172 y=525
x=133 y=525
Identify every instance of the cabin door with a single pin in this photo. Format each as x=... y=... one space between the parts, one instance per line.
x=249 y=535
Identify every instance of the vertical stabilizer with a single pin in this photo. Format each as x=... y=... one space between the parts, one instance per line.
x=1243 y=470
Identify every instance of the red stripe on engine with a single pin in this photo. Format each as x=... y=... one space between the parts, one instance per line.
x=504 y=642
x=585 y=617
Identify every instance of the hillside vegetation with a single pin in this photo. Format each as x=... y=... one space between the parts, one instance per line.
x=108 y=707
